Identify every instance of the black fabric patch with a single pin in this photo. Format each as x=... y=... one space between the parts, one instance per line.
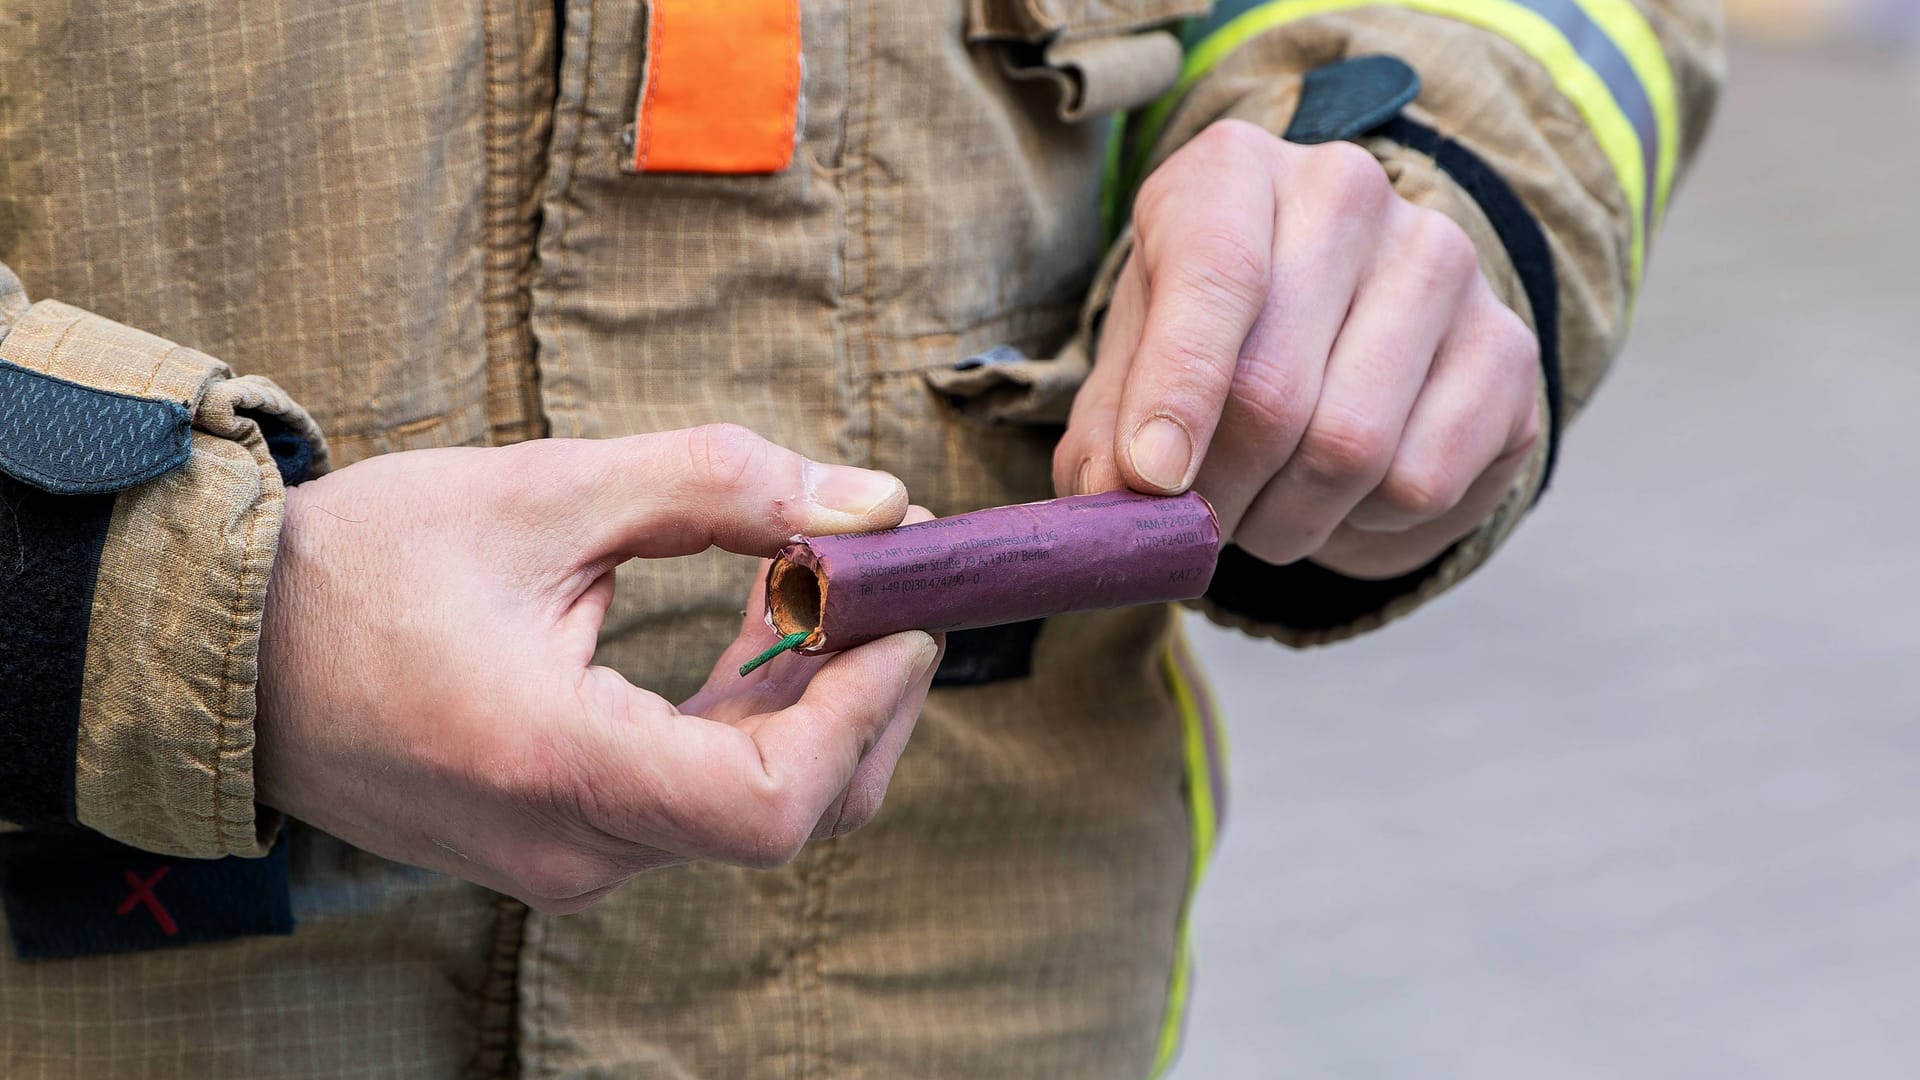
x=1526 y=245
x=1304 y=596
x=71 y=439
x=990 y=654
x=1350 y=98
x=73 y=893
x=49 y=556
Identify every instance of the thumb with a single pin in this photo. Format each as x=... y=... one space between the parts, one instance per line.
x=681 y=492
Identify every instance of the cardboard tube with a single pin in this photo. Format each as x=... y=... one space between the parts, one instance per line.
x=1001 y=565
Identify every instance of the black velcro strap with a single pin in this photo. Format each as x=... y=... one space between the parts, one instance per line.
x=1350 y=98
x=49 y=556
x=73 y=893
x=71 y=439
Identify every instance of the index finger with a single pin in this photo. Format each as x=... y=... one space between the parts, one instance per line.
x=1206 y=256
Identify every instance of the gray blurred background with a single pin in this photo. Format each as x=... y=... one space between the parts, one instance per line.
x=1640 y=800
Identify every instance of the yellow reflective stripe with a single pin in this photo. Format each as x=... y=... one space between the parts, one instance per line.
x=1201 y=811
x=1533 y=33
x=1193 y=727
x=1634 y=37
x=1175 y=1020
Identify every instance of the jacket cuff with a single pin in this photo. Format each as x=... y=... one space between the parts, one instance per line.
x=155 y=481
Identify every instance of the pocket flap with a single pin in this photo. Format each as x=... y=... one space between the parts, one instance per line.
x=1045 y=20
x=1005 y=386
x=1105 y=56
x=1097 y=76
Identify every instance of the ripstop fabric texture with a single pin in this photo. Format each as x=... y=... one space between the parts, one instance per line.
x=420 y=222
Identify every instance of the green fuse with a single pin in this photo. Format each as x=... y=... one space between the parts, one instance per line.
x=779 y=647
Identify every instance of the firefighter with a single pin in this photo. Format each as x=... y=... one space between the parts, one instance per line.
x=394 y=398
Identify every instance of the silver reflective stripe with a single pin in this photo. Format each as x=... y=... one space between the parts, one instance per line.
x=1605 y=58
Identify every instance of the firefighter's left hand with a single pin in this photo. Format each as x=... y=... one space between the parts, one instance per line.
x=1320 y=358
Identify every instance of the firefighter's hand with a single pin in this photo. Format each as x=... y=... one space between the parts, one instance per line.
x=428 y=689
x=1320 y=358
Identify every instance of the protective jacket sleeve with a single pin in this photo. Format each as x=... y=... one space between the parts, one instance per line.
x=1552 y=131
x=142 y=487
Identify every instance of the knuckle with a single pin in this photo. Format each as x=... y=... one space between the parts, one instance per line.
x=1352 y=179
x=772 y=828
x=1514 y=346
x=1222 y=265
x=724 y=456
x=1266 y=391
x=1234 y=139
x=1438 y=244
x=1189 y=393
x=1341 y=446
x=774 y=840
x=1422 y=491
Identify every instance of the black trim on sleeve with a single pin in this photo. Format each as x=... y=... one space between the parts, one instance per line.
x=1304 y=596
x=49 y=557
x=292 y=453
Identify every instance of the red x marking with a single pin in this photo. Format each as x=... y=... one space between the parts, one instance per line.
x=143 y=894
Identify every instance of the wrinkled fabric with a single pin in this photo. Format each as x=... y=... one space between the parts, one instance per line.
x=411 y=218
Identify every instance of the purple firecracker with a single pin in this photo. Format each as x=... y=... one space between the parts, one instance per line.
x=1001 y=565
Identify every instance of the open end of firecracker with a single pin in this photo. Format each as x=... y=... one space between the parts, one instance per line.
x=796 y=595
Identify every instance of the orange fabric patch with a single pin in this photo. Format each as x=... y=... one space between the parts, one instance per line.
x=721 y=91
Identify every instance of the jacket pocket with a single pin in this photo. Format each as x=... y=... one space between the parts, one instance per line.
x=1103 y=56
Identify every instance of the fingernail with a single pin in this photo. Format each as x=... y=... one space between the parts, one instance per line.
x=930 y=655
x=847 y=490
x=1161 y=452
x=1083 y=480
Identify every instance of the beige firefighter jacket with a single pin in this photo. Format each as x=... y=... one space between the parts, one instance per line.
x=368 y=227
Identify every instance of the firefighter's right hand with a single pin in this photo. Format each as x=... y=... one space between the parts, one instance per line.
x=427 y=686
